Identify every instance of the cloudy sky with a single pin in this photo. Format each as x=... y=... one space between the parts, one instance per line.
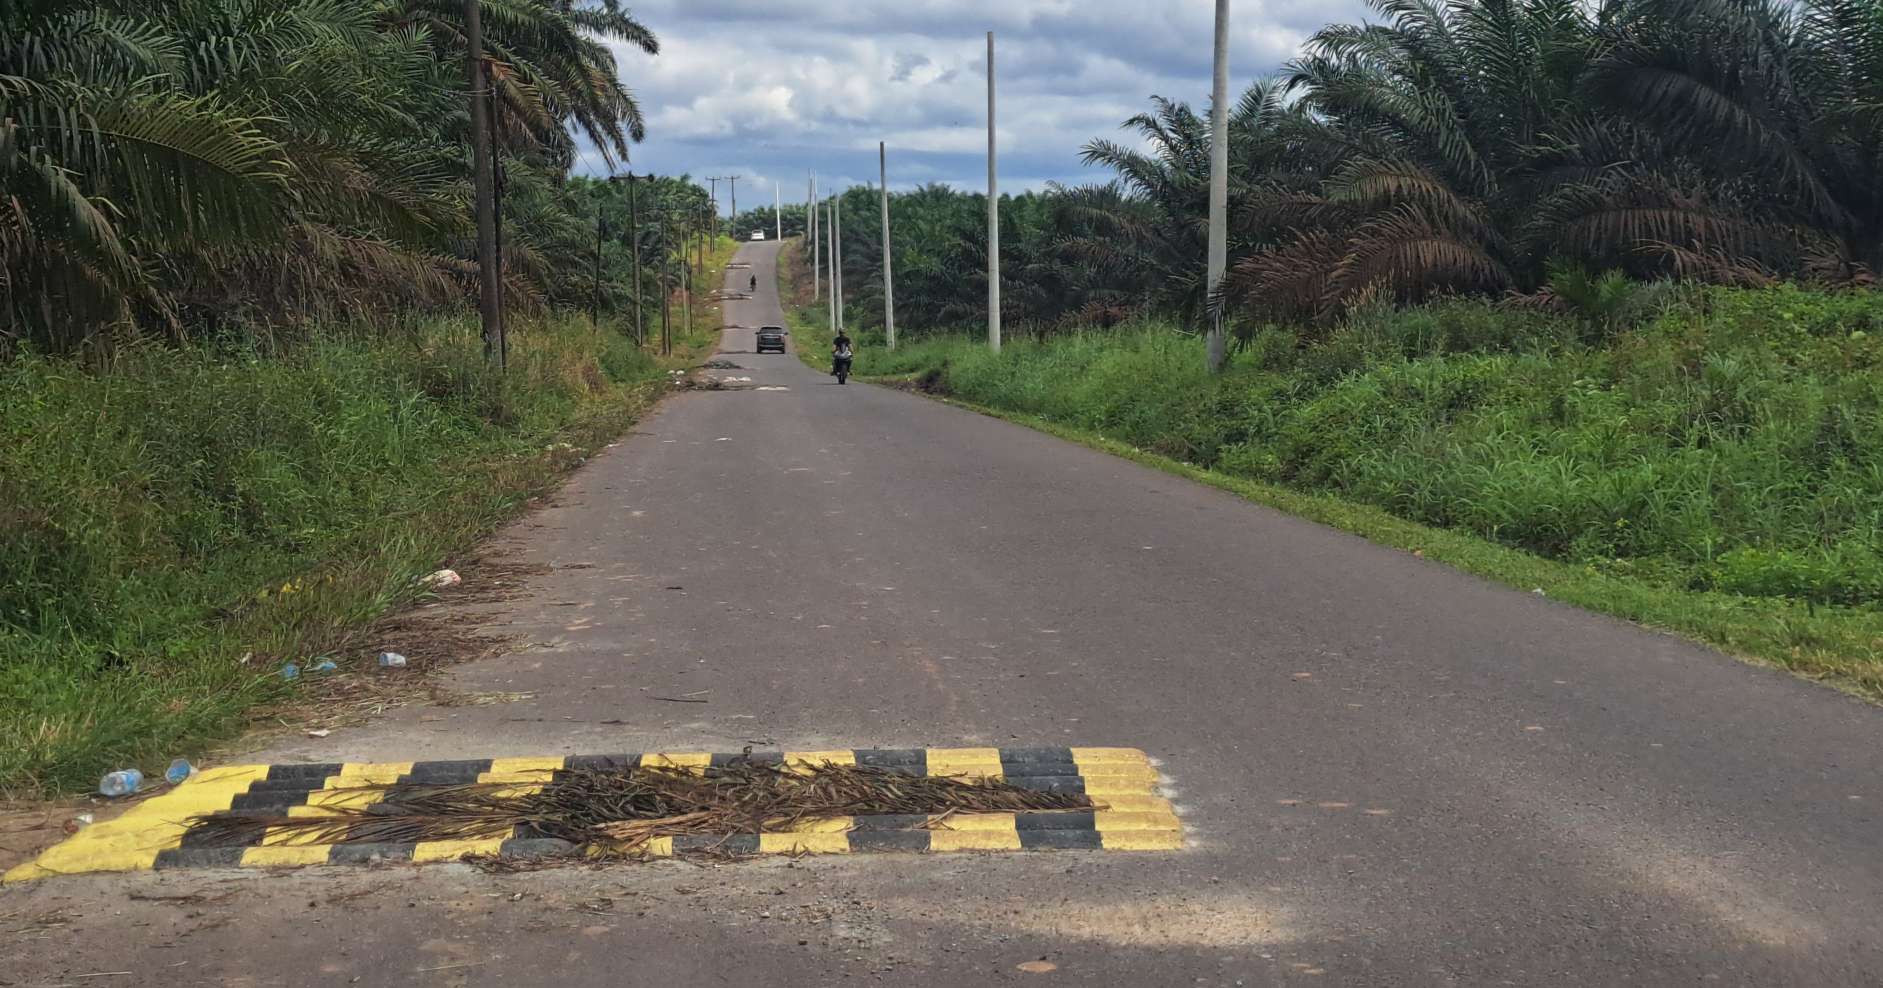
x=770 y=90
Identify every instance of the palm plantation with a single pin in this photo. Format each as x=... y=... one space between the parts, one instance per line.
x=191 y=162
x=1470 y=147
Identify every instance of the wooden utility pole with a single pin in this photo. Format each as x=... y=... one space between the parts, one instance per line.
x=490 y=301
x=1219 y=189
x=778 y=213
x=993 y=213
x=889 y=284
x=733 y=181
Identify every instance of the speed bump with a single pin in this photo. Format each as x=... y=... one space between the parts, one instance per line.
x=1122 y=784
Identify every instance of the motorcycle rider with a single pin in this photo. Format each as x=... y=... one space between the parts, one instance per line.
x=755 y=283
x=840 y=350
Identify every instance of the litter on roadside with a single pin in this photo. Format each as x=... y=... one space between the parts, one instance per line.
x=123 y=782
x=442 y=579
x=179 y=771
x=391 y=660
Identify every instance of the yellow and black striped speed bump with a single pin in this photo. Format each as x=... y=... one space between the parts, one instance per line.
x=156 y=833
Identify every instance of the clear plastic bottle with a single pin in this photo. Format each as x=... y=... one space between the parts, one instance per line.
x=391 y=660
x=179 y=771
x=123 y=782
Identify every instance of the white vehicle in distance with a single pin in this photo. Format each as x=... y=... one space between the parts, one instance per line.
x=758 y=234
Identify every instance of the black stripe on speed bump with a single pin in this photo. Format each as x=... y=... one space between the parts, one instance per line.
x=275 y=799
x=755 y=758
x=889 y=821
x=316 y=770
x=1049 y=783
x=1060 y=840
x=1065 y=820
x=726 y=843
x=364 y=853
x=447 y=773
x=535 y=847
x=911 y=760
x=1034 y=756
x=888 y=840
x=602 y=763
x=199 y=857
x=288 y=785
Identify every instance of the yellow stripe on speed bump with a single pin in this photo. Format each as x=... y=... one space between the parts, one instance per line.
x=452 y=850
x=1122 y=782
x=800 y=760
x=798 y=842
x=131 y=842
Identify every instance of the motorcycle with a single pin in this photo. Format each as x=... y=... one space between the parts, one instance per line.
x=840 y=366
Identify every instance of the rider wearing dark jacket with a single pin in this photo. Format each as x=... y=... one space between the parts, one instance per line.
x=840 y=350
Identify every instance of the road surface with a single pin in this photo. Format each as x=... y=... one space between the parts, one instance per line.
x=1391 y=773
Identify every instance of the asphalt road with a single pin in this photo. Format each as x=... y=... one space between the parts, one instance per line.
x=1391 y=773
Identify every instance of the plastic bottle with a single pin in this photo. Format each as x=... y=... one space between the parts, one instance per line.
x=123 y=782
x=290 y=671
x=391 y=660
x=324 y=665
x=179 y=770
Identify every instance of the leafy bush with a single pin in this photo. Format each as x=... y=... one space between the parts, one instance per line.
x=1733 y=441
x=148 y=511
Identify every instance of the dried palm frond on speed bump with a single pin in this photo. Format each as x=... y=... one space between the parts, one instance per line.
x=620 y=810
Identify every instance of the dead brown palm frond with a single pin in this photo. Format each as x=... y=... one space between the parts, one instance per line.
x=1273 y=209
x=1289 y=282
x=619 y=810
x=1827 y=260
x=1373 y=183
x=1713 y=264
x=1409 y=253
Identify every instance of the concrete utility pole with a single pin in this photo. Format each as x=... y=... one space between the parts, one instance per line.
x=836 y=256
x=889 y=284
x=601 y=233
x=490 y=304
x=833 y=294
x=666 y=294
x=734 y=180
x=1219 y=186
x=810 y=220
x=634 y=239
x=993 y=214
x=778 y=213
x=713 y=185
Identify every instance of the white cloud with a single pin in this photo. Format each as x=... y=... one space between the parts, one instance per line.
x=778 y=88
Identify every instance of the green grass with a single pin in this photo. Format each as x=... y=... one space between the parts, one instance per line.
x=192 y=505
x=1717 y=471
